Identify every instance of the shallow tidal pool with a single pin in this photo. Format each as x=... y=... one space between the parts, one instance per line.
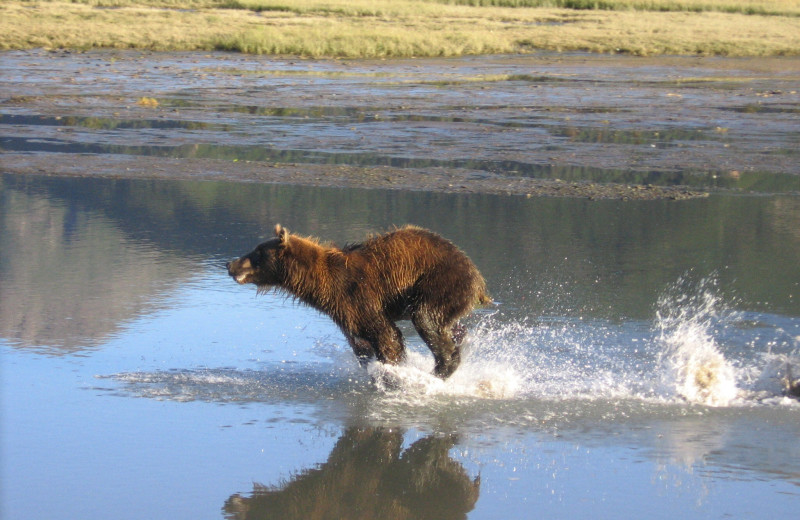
x=633 y=365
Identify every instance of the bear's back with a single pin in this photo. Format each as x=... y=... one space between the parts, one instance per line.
x=409 y=246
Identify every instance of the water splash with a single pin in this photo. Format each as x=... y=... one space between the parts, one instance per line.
x=415 y=378
x=520 y=359
x=692 y=363
x=694 y=351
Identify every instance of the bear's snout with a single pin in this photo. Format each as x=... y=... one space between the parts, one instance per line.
x=240 y=270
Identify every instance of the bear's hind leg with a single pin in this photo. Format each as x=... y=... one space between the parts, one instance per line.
x=444 y=342
x=459 y=333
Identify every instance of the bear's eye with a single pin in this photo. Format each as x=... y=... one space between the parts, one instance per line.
x=260 y=255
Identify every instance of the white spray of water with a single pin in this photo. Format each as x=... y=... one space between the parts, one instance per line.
x=512 y=360
x=692 y=364
x=678 y=359
x=488 y=379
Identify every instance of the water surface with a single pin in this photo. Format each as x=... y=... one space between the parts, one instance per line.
x=633 y=365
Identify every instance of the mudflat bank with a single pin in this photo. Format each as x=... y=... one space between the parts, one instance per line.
x=547 y=124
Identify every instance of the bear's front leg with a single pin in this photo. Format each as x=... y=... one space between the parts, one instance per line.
x=361 y=348
x=387 y=340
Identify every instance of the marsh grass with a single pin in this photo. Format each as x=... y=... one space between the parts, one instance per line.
x=750 y=7
x=404 y=28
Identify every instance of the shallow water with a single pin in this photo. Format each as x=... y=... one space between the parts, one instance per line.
x=633 y=365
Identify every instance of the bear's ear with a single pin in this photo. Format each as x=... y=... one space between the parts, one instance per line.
x=281 y=232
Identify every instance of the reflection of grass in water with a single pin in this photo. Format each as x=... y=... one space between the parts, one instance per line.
x=494 y=78
x=103 y=123
x=396 y=28
x=301 y=73
x=635 y=137
x=765 y=182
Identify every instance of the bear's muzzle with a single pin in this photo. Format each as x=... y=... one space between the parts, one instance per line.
x=240 y=270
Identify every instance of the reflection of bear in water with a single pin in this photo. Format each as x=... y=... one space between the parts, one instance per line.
x=366 y=476
x=410 y=273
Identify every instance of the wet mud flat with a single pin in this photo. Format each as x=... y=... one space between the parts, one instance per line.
x=574 y=125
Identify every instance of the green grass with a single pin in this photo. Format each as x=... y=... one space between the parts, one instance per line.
x=404 y=28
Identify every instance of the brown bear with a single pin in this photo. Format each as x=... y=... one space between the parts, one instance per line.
x=410 y=273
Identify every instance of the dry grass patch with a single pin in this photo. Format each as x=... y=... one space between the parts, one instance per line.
x=402 y=28
x=761 y=7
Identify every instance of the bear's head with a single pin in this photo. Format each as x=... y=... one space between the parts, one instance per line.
x=263 y=266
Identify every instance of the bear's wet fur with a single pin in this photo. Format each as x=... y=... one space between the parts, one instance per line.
x=409 y=273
